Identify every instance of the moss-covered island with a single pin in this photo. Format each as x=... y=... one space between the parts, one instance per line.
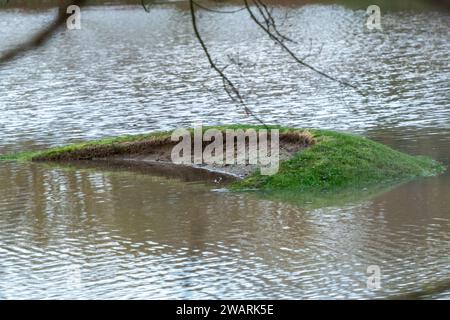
x=342 y=160
x=325 y=161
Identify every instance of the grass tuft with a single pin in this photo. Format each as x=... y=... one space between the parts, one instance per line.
x=334 y=161
x=339 y=161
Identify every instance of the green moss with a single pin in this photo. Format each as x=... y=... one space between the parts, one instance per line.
x=112 y=141
x=116 y=141
x=337 y=161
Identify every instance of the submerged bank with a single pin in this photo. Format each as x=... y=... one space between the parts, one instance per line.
x=310 y=160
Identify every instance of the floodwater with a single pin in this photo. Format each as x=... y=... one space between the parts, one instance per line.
x=80 y=232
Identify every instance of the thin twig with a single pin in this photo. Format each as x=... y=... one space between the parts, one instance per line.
x=229 y=87
x=289 y=51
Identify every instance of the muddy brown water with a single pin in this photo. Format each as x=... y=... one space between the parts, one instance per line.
x=84 y=232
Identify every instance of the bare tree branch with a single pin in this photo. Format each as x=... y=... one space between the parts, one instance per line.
x=267 y=24
x=279 y=41
x=215 y=10
x=42 y=36
x=269 y=20
x=229 y=86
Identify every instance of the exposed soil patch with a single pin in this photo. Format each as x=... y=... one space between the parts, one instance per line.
x=156 y=153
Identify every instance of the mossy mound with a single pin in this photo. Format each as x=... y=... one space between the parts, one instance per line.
x=334 y=161
x=341 y=160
